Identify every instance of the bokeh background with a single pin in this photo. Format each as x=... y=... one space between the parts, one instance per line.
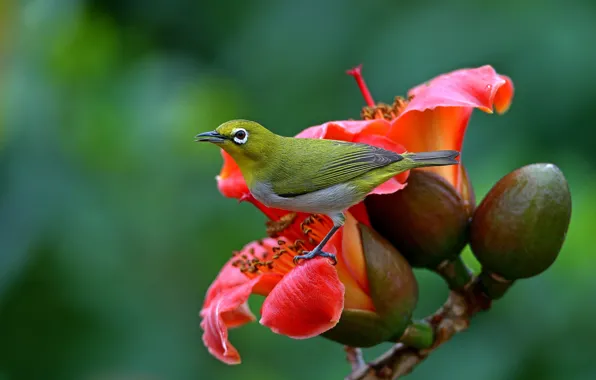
x=111 y=226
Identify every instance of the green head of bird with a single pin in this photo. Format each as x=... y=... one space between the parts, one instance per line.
x=248 y=142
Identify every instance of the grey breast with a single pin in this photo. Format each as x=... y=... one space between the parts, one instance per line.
x=333 y=199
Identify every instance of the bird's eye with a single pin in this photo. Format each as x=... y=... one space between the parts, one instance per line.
x=240 y=136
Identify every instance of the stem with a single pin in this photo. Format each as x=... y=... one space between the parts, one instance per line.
x=419 y=334
x=451 y=319
x=455 y=273
x=356 y=72
x=354 y=356
x=494 y=285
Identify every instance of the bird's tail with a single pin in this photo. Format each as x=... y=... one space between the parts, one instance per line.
x=436 y=158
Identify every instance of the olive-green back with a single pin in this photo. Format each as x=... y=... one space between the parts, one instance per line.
x=307 y=165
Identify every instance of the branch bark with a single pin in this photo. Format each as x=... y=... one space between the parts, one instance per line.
x=354 y=356
x=452 y=318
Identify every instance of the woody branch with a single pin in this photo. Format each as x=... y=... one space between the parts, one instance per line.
x=452 y=318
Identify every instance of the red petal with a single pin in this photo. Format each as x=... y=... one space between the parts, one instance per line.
x=381 y=142
x=347 y=247
x=359 y=212
x=215 y=338
x=437 y=116
x=389 y=187
x=441 y=128
x=230 y=181
x=307 y=302
x=473 y=88
x=345 y=130
x=330 y=131
x=366 y=127
x=230 y=276
x=226 y=305
x=504 y=95
x=239 y=316
x=315 y=132
x=465 y=189
x=352 y=254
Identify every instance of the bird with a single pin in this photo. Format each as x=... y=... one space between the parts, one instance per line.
x=315 y=176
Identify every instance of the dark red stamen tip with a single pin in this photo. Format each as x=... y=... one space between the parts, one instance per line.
x=356 y=72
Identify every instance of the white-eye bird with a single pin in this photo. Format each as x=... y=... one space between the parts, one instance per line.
x=312 y=175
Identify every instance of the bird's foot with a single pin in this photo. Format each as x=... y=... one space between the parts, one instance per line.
x=314 y=253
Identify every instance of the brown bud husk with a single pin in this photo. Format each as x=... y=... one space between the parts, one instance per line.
x=393 y=289
x=519 y=228
x=427 y=221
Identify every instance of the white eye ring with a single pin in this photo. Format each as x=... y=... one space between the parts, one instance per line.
x=240 y=135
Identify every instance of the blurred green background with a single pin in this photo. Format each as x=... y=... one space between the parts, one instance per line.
x=111 y=226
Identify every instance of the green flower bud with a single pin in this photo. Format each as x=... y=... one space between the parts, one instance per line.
x=359 y=328
x=419 y=334
x=393 y=290
x=427 y=221
x=519 y=228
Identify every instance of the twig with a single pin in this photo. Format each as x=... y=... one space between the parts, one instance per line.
x=452 y=318
x=354 y=356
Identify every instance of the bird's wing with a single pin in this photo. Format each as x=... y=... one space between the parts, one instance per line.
x=334 y=162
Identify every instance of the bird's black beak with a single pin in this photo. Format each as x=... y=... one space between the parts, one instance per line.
x=211 y=136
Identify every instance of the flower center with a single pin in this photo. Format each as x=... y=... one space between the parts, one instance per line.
x=279 y=258
x=385 y=111
x=315 y=227
x=276 y=227
x=374 y=110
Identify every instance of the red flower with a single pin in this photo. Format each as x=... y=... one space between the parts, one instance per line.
x=302 y=301
x=308 y=299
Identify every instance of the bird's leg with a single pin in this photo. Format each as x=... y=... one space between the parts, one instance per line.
x=338 y=221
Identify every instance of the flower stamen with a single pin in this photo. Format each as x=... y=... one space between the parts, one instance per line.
x=385 y=111
x=315 y=227
x=356 y=72
x=373 y=110
x=276 y=227
x=279 y=258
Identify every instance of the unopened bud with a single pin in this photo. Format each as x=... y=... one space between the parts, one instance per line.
x=393 y=290
x=427 y=221
x=519 y=228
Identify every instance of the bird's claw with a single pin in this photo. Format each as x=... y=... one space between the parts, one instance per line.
x=312 y=254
